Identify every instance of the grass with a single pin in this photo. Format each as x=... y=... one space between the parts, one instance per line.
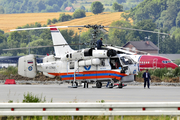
x=9 y=71
x=104 y=19
x=12 y=21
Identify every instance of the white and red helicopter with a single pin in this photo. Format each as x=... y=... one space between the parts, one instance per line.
x=111 y=64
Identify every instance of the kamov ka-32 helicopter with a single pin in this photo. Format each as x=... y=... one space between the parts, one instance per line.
x=110 y=64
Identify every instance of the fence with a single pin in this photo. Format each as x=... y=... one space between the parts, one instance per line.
x=90 y=109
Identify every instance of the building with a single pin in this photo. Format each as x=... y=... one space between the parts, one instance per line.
x=69 y=9
x=145 y=46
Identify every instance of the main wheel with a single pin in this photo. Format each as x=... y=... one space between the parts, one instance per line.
x=120 y=85
x=98 y=84
x=75 y=84
x=111 y=85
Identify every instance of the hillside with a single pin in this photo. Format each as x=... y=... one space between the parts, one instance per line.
x=104 y=19
x=12 y=21
x=165 y=13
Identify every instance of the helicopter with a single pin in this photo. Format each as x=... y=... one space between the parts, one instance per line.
x=111 y=64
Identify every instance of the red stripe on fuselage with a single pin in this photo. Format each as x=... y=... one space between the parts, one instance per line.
x=53 y=29
x=88 y=72
x=90 y=77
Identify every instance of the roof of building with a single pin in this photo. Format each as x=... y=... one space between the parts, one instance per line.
x=142 y=45
x=68 y=8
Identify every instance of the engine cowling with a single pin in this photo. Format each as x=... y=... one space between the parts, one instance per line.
x=27 y=66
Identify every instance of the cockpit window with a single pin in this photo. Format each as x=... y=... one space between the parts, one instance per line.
x=126 y=60
x=166 y=61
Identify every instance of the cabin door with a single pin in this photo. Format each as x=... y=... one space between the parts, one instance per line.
x=155 y=63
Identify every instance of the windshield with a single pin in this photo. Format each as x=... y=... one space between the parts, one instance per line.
x=126 y=60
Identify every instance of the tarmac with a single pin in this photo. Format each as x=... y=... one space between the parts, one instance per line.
x=61 y=93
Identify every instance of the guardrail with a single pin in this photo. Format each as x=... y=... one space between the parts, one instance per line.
x=90 y=109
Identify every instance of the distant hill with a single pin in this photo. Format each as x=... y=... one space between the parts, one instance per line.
x=165 y=13
x=34 y=6
x=37 y=6
x=12 y=21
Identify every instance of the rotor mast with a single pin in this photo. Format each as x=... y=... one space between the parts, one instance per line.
x=94 y=33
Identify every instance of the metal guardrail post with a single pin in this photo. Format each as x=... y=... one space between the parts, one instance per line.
x=72 y=117
x=45 y=118
x=122 y=117
x=111 y=117
x=22 y=117
x=178 y=118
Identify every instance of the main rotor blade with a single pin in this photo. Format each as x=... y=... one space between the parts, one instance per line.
x=137 y=30
x=37 y=28
x=40 y=47
x=103 y=30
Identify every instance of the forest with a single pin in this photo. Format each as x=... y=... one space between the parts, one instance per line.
x=37 y=6
x=34 y=6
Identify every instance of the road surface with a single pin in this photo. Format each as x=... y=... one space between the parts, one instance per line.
x=61 y=93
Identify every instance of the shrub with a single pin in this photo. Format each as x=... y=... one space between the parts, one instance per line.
x=54 y=20
x=49 y=22
x=10 y=71
x=79 y=13
x=63 y=17
x=30 y=98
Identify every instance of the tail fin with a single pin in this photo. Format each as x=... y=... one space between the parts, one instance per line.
x=57 y=40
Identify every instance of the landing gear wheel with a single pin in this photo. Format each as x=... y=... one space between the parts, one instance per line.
x=85 y=84
x=98 y=84
x=111 y=85
x=120 y=85
x=74 y=84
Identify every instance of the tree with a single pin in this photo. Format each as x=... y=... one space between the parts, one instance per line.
x=54 y=20
x=65 y=4
x=49 y=22
x=1 y=10
x=118 y=36
x=120 y=1
x=82 y=8
x=79 y=13
x=178 y=20
x=41 y=6
x=1 y=31
x=143 y=25
x=117 y=7
x=63 y=17
x=97 y=7
x=2 y=37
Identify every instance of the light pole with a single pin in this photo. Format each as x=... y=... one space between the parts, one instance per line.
x=163 y=37
x=158 y=41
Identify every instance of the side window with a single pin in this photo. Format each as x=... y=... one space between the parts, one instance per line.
x=115 y=63
x=71 y=65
